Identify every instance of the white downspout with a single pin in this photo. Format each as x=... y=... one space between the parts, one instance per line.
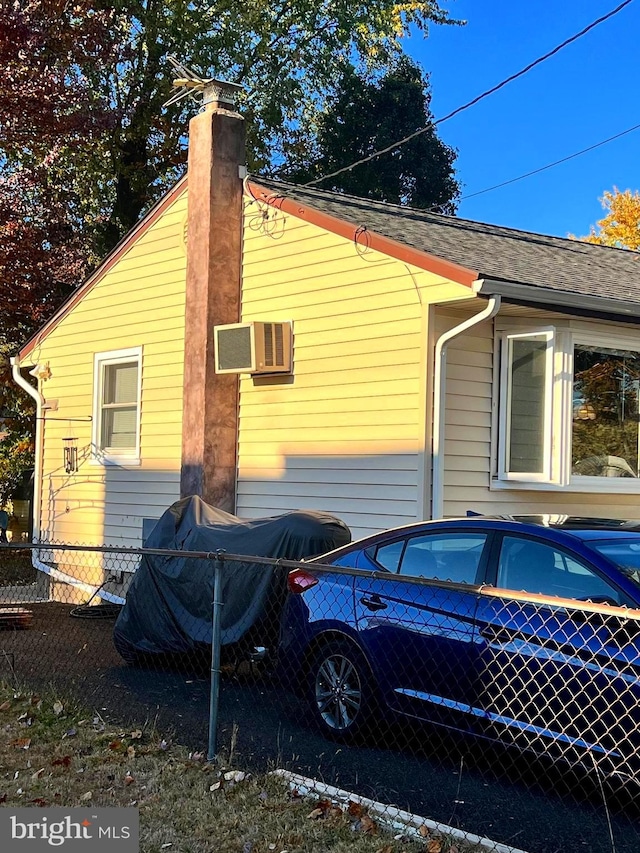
x=439 y=398
x=19 y=379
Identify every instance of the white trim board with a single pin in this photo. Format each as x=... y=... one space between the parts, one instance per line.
x=394 y=817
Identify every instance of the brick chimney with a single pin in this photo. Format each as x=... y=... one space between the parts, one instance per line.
x=214 y=270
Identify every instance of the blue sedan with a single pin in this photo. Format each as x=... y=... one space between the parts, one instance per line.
x=521 y=630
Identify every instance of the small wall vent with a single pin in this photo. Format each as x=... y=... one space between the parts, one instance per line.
x=253 y=348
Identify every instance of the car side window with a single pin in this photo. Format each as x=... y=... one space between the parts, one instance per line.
x=388 y=556
x=451 y=557
x=529 y=566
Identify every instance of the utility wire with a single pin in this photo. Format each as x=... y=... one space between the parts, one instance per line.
x=475 y=100
x=551 y=165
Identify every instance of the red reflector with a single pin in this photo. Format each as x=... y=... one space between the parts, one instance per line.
x=300 y=580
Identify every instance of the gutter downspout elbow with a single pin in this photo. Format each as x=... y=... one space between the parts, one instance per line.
x=19 y=379
x=439 y=399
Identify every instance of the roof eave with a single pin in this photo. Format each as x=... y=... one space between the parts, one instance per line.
x=362 y=236
x=543 y=297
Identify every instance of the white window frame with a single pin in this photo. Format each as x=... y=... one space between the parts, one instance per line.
x=558 y=414
x=101 y=360
x=548 y=335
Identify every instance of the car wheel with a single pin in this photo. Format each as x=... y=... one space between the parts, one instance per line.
x=340 y=690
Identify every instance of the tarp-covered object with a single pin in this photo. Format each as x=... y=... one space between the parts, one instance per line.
x=169 y=602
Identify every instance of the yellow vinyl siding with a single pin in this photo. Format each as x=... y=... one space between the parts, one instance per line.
x=346 y=432
x=139 y=302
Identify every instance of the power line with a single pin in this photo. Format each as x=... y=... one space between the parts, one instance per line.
x=551 y=165
x=475 y=100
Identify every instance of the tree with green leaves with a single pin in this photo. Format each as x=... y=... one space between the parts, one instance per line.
x=365 y=116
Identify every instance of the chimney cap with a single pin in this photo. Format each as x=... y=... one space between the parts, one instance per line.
x=220 y=91
x=191 y=84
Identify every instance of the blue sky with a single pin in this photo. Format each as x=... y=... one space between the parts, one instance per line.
x=584 y=94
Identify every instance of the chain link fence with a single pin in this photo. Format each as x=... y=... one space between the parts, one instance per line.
x=507 y=722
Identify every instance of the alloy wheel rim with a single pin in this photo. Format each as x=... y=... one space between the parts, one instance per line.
x=338 y=692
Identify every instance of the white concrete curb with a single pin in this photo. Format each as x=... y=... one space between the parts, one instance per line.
x=396 y=818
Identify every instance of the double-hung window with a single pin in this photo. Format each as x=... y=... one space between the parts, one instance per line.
x=116 y=410
x=569 y=410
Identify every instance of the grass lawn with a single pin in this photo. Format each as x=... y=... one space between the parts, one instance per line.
x=54 y=753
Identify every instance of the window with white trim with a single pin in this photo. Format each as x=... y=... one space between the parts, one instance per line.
x=116 y=410
x=569 y=410
x=527 y=366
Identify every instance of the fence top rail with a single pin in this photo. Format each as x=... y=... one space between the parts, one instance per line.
x=222 y=556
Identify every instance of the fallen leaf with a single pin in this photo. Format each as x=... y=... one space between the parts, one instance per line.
x=424 y=832
x=247 y=847
x=355 y=809
x=22 y=742
x=5 y=705
x=39 y=801
x=129 y=779
x=86 y=797
x=136 y=735
x=315 y=814
x=234 y=776
x=35 y=699
x=70 y=733
x=167 y=844
x=37 y=774
x=164 y=745
x=215 y=786
x=434 y=845
x=58 y=707
x=263 y=796
x=386 y=849
x=22 y=717
x=115 y=745
x=197 y=756
x=370 y=827
x=3 y=798
x=65 y=761
x=131 y=751
x=272 y=847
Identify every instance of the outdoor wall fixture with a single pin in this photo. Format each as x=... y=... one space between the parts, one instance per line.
x=70 y=455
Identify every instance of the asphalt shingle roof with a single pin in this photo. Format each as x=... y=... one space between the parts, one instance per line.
x=504 y=254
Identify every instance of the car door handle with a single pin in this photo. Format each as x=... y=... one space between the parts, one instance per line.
x=373 y=603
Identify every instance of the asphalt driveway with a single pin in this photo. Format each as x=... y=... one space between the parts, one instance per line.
x=482 y=790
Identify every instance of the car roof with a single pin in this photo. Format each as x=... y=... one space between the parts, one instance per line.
x=581 y=527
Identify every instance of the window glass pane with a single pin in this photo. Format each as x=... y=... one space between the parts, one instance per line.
x=526 y=415
x=120 y=383
x=528 y=566
x=389 y=555
x=606 y=388
x=119 y=428
x=444 y=556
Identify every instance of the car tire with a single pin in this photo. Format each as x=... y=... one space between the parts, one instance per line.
x=340 y=690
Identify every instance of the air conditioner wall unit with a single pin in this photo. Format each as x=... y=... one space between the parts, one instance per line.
x=254 y=347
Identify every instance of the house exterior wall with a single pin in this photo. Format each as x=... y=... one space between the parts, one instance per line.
x=469 y=452
x=346 y=432
x=139 y=302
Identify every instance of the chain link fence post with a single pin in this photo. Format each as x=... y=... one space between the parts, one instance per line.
x=216 y=631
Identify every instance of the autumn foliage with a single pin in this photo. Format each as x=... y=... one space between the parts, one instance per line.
x=621 y=226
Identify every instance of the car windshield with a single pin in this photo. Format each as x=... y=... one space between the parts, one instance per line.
x=625 y=553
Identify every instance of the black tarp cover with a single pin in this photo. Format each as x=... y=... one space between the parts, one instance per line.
x=169 y=602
